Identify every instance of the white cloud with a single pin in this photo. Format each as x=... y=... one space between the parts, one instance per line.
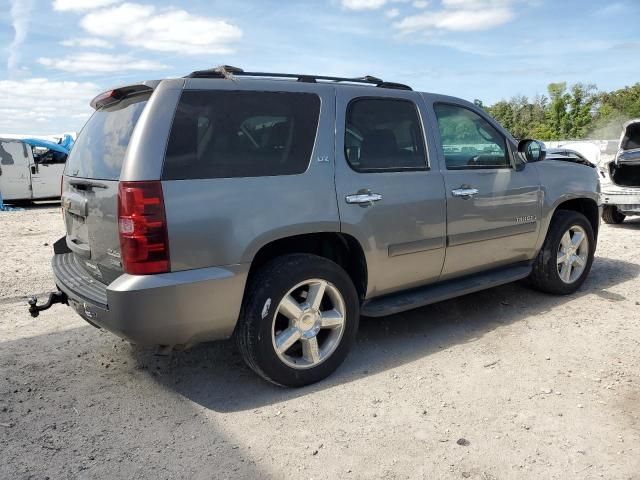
x=168 y=30
x=460 y=16
x=363 y=4
x=20 y=13
x=86 y=42
x=80 y=5
x=89 y=62
x=421 y=3
x=55 y=106
x=392 y=13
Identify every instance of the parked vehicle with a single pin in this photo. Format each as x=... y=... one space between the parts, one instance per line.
x=569 y=156
x=279 y=208
x=621 y=177
x=31 y=169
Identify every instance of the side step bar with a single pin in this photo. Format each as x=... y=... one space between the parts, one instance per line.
x=419 y=297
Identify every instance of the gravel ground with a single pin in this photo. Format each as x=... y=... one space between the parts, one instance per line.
x=507 y=383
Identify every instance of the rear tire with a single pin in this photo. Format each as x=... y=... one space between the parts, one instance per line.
x=563 y=263
x=283 y=334
x=612 y=216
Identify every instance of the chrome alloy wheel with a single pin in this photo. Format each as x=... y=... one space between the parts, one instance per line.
x=308 y=324
x=573 y=254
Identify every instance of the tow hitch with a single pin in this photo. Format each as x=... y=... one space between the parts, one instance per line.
x=54 y=297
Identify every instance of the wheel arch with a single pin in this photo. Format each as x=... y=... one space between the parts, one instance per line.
x=338 y=247
x=586 y=206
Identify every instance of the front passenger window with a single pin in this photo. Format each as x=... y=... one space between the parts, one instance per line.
x=468 y=140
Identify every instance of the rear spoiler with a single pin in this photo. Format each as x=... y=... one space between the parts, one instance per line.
x=115 y=95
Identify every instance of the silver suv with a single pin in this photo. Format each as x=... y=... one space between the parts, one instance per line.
x=278 y=208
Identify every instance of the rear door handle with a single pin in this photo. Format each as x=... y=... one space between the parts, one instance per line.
x=465 y=193
x=364 y=198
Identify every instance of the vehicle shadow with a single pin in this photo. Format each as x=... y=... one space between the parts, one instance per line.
x=214 y=375
x=39 y=205
x=629 y=223
x=72 y=397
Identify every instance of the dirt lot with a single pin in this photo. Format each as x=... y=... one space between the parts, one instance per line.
x=537 y=386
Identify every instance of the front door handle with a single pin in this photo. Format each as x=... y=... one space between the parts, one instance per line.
x=363 y=198
x=465 y=193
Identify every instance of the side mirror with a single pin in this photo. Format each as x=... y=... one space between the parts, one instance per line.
x=532 y=150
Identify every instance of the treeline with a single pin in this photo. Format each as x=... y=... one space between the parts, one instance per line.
x=576 y=112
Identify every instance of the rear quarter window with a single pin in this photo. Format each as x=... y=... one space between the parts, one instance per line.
x=223 y=134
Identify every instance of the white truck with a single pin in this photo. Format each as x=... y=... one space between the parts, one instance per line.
x=30 y=169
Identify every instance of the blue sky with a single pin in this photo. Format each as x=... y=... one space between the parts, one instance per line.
x=57 y=54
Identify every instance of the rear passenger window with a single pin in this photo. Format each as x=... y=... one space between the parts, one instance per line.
x=221 y=134
x=469 y=141
x=384 y=135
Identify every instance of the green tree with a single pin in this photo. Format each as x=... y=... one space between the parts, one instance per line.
x=574 y=112
x=581 y=103
x=613 y=110
x=557 y=121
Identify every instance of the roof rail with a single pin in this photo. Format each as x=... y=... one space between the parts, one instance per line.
x=229 y=72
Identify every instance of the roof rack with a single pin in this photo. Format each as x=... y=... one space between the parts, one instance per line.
x=229 y=72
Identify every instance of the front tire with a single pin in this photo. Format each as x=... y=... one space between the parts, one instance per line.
x=299 y=320
x=563 y=263
x=612 y=216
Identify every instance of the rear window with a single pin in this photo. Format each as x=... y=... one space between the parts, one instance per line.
x=100 y=148
x=222 y=134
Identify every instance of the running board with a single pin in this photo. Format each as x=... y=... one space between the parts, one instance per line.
x=419 y=297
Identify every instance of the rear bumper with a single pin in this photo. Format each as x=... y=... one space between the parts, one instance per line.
x=627 y=199
x=174 y=308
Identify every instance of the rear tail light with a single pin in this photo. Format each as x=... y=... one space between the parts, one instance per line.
x=142 y=227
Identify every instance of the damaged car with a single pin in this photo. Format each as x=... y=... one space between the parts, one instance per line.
x=620 y=177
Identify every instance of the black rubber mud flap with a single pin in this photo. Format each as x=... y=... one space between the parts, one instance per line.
x=60 y=246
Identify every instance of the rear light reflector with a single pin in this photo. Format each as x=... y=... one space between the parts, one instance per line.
x=142 y=228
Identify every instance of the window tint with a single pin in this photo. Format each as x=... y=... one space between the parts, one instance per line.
x=99 y=151
x=468 y=140
x=219 y=134
x=383 y=135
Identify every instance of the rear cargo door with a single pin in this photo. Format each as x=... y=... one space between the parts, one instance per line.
x=629 y=153
x=90 y=186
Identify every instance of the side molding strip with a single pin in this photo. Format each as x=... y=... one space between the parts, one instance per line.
x=417 y=246
x=509 y=231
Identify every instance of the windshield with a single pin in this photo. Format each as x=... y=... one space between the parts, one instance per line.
x=100 y=148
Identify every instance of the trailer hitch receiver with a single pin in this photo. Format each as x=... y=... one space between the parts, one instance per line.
x=54 y=297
